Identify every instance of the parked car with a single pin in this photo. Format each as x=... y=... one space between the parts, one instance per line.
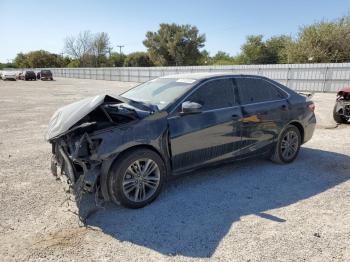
x=124 y=147
x=341 y=112
x=19 y=75
x=28 y=75
x=45 y=75
x=8 y=75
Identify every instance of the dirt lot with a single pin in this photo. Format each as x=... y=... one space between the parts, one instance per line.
x=250 y=211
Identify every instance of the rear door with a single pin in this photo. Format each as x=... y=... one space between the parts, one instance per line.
x=211 y=135
x=265 y=111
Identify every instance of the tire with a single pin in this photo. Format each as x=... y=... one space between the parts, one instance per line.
x=339 y=118
x=283 y=147
x=125 y=183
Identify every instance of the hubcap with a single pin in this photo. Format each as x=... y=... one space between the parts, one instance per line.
x=141 y=180
x=289 y=145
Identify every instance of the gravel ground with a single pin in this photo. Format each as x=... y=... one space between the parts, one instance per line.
x=249 y=211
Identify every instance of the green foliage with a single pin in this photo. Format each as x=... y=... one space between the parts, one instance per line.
x=323 y=42
x=40 y=59
x=271 y=51
x=223 y=58
x=116 y=60
x=7 y=65
x=277 y=49
x=137 y=59
x=74 y=64
x=174 y=45
x=254 y=51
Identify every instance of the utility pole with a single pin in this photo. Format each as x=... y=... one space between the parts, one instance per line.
x=120 y=48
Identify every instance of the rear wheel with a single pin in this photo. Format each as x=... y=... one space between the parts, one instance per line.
x=288 y=146
x=136 y=178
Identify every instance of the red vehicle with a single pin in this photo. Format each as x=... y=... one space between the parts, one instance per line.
x=341 y=112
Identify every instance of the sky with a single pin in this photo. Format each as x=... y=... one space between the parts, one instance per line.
x=37 y=24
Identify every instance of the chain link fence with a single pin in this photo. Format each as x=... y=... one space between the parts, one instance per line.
x=300 y=77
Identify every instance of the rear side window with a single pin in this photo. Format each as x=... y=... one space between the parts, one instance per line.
x=215 y=94
x=253 y=90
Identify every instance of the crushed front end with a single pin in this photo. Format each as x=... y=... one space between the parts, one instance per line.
x=79 y=132
x=72 y=157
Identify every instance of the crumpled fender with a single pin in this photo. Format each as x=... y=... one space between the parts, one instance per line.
x=147 y=133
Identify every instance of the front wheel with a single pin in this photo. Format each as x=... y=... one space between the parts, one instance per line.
x=288 y=146
x=340 y=119
x=136 y=178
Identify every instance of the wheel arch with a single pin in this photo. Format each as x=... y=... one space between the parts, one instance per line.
x=300 y=128
x=108 y=163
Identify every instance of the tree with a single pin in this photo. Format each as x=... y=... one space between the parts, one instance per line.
x=100 y=47
x=277 y=47
x=21 y=61
x=271 y=51
x=137 y=59
x=205 y=58
x=322 y=42
x=254 y=51
x=175 y=44
x=89 y=49
x=74 y=64
x=40 y=59
x=116 y=59
x=223 y=58
x=7 y=65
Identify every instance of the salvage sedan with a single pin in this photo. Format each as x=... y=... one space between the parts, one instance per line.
x=341 y=112
x=124 y=147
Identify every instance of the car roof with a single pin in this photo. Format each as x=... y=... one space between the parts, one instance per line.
x=205 y=75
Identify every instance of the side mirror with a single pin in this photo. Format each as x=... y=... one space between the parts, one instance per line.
x=190 y=108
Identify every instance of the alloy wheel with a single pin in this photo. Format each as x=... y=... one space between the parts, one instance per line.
x=141 y=180
x=289 y=145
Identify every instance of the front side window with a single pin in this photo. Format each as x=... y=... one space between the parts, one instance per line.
x=214 y=95
x=254 y=90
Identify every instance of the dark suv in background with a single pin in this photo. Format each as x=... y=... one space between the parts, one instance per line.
x=124 y=147
x=45 y=75
x=27 y=75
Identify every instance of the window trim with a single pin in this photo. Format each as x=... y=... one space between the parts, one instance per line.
x=232 y=77
x=262 y=102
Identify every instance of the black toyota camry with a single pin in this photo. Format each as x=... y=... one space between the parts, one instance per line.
x=124 y=147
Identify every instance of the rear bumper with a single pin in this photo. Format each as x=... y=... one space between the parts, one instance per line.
x=309 y=128
x=46 y=77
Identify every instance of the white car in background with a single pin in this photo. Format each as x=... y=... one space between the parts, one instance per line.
x=8 y=75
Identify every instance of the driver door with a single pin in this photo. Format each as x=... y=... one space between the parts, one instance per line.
x=210 y=135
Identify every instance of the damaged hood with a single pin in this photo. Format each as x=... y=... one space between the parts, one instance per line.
x=65 y=117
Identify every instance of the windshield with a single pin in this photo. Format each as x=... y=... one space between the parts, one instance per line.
x=160 y=92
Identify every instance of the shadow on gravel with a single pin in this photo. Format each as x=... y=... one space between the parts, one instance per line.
x=194 y=213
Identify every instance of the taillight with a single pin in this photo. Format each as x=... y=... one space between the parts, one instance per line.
x=311 y=107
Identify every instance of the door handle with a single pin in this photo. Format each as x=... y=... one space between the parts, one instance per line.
x=235 y=117
x=284 y=107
